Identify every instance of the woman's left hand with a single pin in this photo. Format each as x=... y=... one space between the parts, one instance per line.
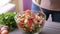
x=4 y=30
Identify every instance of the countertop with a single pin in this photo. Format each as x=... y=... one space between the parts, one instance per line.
x=49 y=28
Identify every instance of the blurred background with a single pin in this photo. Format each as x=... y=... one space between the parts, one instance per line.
x=22 y=4
x=19 y=5
x=15 y=5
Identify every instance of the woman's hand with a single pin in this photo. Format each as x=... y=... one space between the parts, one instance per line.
x=4 y=30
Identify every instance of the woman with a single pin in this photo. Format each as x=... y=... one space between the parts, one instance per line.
x=51 y=7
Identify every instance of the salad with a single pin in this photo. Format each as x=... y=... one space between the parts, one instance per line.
x=29 y=22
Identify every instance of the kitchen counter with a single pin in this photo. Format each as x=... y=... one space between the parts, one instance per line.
x=49 y=28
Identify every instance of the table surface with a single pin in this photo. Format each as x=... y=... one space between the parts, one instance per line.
x=49 y=28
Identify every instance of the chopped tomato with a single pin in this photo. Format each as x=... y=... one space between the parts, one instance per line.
x=20 y=25
x=18 y=16
x=22 y=20
x=27 y=12
x=29 y=23
x=32 y=16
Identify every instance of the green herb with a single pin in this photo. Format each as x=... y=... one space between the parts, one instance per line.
x=8 y=19
x=25 y=25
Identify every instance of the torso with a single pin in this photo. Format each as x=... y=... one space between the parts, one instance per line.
x=51 y=4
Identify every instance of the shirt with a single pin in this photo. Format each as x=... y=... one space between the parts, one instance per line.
x=50 y=4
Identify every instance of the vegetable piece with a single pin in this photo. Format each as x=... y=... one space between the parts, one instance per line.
x=28 y=22
x=27 y=12
x=22 y=20
x=20 y=25
x=26 y=26
x=32 y=16
x=4 y=32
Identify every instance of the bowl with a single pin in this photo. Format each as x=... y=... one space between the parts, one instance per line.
x=29 y=22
